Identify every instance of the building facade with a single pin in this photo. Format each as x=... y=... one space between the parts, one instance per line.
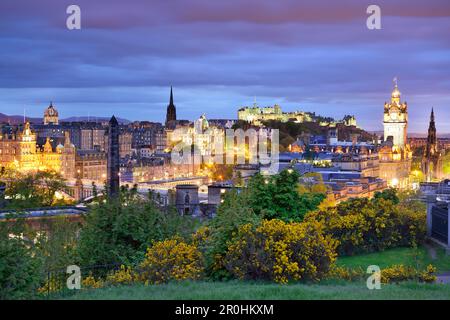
x=395 y=154
x=19 y=151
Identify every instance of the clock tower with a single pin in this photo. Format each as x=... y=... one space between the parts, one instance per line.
x=51 y=115
x=396 y=118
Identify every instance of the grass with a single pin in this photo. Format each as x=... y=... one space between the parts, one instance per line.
x=236 y=290
x=329 y=290
x=417 y=258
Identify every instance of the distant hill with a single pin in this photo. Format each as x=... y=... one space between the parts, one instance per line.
x=417 y=135
x=16 y=119
x=424 y=135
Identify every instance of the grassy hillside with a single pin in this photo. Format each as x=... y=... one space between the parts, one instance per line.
x=244 y=291
x=330 y=289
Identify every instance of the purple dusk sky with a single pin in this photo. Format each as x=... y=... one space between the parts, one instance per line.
x=304 y=55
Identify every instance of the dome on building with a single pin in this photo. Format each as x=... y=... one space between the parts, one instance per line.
x=51 y=111
x=396 y=92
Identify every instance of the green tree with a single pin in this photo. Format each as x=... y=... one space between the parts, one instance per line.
x=277 y=197
x=388 y=194
x=28 y=190
x=19 y=267
x=57 y=247
x=231 y=214
x=120 y=230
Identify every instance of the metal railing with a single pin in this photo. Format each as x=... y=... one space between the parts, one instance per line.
x=54 y=282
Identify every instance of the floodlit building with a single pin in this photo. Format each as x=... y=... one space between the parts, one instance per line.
x=395 y=154
x=19 y=150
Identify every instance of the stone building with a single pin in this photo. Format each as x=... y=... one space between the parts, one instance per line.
x=51 y=115
x=91 y=165
x=68 y=155
x=257 y=115
x=19 y=150
x=125 y=142
x=395 y=154
x=186 y=199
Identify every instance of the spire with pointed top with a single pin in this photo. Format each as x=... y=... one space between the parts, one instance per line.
x=113 y=121
x=432 y=115
x=171 y=114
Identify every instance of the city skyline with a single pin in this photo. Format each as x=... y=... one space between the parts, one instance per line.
x=311 y=57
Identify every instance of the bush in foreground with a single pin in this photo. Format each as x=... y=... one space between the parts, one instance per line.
x=171 y=259
x=19 y=269
x=280 y=252
x=368 y=225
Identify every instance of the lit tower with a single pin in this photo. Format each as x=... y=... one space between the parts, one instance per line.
x=51 y=115
x=113 y=180
x=396 y=118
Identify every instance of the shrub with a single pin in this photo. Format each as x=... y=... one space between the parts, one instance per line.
x=171 y=259
x=348 y=274
x=125 y=275
x=20 y=270
x=119 y=231
x=90 y=282
x=231 y=214
x=279 y=251
x=428 y=275
x=277 y=197
x=398 y=273
x=367 y=225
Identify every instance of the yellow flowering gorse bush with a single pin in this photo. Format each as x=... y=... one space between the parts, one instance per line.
x=280 y=251
x=125 y=275
x=90 y=282
x=171 y=259
x=363 y=225
x=398 y=273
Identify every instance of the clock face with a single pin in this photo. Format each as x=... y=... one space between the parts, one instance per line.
x=394 y=115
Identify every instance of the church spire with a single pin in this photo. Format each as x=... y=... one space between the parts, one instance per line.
x=171 y=114
x=431 y=161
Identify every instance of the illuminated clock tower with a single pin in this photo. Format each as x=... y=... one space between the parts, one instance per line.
x=396 y=118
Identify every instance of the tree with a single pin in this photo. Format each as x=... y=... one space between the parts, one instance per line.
x=19 y=268
x=277 y=197
x=57 y=246
x=28 y=190
x=221 y=172
x=234 y=212
x=120 y=230
x=388 y=194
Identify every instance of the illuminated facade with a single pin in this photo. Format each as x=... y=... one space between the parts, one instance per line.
x=396 y=119
x=201 y=134
x=395 y=155
x=51 y=115
x=257 y=115
x=19 y=151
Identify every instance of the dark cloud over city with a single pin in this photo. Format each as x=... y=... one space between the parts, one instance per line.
x=219 y=55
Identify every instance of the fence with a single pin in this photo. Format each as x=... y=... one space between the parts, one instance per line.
x=55 y=281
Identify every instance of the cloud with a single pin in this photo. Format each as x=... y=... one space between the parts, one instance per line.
x=316 y=55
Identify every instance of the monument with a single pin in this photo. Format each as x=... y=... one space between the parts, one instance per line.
x=113 y=178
